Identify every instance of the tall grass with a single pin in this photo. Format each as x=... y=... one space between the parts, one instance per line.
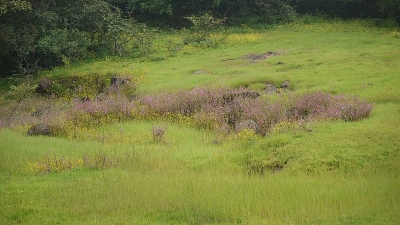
x=187 y=198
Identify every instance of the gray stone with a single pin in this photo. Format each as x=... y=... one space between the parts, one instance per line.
x=44 y=86
x=244 y=94
x=271 y=89
x=286 y=84
x=116 y=83
x=258 y=57
x=248 y=125
x=40 y=129
x=249 y=94
x=199 y=72
x=119 y=81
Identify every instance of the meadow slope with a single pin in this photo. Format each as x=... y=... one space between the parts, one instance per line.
x=324 y=172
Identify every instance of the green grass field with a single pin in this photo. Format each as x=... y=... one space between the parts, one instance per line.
x=335 y=172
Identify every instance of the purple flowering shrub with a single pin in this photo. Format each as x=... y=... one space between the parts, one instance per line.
x=220 y=109
x=226 y=108
x=86 y=114
x=31 y=110
x=319 y=105
x=158 y=134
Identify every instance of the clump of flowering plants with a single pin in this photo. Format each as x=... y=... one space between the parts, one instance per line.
x=53 y=164
x=216 y=109
x=322 y=105
x=98 y=112
x=226 y=107
x=158 y=134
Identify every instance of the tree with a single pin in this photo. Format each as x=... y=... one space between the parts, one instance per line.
x=274 y=11
x=337 y=8
x=14 y=6
x=47 y=33
x=390 y=9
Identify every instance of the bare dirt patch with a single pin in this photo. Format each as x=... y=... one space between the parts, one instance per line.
x=255 y=58
x=258 y=57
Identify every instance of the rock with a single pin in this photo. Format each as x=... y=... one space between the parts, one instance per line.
x=244 y=94
x=199 y=72
x=271 y=89
x=116 y=83
x=84 y=99
x=258 y=57
x=286 y=84
x=249 y=94
x=40 y=129
x=119 y=81
x=44 y=86
x=248 y=125
x=296 y=113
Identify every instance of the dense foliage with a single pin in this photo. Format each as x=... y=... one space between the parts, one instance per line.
x=38 y=35
x=44 y=34
x=172 y=12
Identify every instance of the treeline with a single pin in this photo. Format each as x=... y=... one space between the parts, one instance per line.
x=41 y=34
x=171 y=12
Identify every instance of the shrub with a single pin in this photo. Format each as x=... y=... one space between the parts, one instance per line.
x=322 y=105
x=226 y=108
x=158 y=134
x=88 y=86
x=54 y=164
x=202 y=27
x=64 y=45
x=274 y=11
x=20 y=93
x=246 y=137
x=88 y=114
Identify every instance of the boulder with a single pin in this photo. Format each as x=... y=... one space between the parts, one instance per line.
x=249 y=94
x=199 y=72
x=296 y=113
x=40 y=129
x=244 y=94
x=44 y=86
x=118 y=81
x=286 y=84
x=248 y=125
x=271 y=89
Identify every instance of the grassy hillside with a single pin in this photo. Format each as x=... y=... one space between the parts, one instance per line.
x=166 y=170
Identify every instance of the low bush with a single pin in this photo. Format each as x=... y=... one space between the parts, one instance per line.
x=158 y=134
x=226 y=108
x=53 y=164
